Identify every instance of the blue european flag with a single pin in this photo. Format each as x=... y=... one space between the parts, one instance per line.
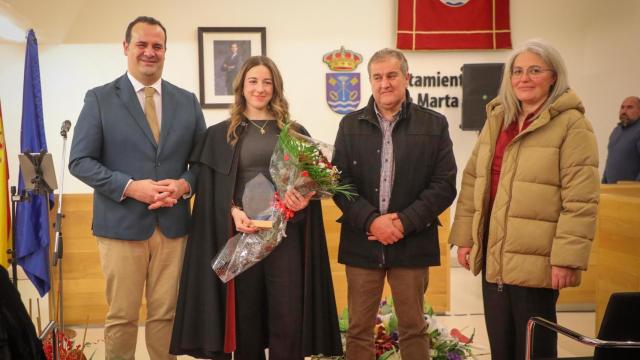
x=32 y=217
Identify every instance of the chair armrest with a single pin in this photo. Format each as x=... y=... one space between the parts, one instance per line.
x=594 y=342
x=49 y=329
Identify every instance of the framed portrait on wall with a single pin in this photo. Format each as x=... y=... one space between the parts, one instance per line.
x=221 y=53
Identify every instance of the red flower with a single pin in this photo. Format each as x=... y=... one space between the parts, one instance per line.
x=286 y=157
x=455 y=333
x=304 y=174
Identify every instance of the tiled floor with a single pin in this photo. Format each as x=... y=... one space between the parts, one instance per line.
x=466 y=315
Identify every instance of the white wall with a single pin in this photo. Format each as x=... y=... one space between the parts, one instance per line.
x=598 y=42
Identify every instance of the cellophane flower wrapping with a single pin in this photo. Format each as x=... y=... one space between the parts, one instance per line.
x=244 y=250
x=298 y=162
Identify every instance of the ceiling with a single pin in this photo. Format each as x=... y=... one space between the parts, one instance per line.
x=52 y=20
x=90 y=21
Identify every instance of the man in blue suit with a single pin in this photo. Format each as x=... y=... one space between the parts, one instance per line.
x=131 y=145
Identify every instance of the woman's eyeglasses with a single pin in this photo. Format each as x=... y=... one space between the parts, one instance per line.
x=532 y=71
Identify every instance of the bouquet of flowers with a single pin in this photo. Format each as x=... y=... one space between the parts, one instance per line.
x=302 y=163
x=298 y=162
x=447 y=344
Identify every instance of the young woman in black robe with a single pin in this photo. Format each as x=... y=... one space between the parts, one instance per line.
x=285 y=302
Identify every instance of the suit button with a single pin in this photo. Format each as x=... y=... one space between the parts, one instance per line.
x=355 y=162
x=376 y=190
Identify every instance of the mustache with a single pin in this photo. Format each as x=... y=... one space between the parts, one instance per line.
x=148 y=58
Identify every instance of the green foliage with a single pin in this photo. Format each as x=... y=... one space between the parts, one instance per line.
x=393 y=324
x=388 y=355
x=427 y=309
x=343 y=320
x=306 y=155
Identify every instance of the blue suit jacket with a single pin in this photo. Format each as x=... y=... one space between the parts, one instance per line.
x=112 y=143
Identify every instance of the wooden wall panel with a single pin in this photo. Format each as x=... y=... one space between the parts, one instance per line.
x=586 y=292
x=83 y=284
x=618 y=253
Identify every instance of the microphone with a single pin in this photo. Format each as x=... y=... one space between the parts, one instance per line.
x=66 y=125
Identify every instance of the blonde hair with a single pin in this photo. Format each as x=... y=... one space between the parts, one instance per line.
x=278 y=105
x=551 y=57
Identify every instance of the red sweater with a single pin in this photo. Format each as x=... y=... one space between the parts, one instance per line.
x=504 y=139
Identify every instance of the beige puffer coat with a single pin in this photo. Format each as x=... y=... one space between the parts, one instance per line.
x=545 y=208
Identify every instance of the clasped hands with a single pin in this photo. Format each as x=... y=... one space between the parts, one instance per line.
x=387 y=229
x=293 y=199
x=163 y=193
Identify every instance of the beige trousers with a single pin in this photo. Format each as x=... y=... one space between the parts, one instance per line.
x=131 y=267
x=408 y=286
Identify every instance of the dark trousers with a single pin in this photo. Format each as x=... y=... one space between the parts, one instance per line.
x=269 y=299
x=506 y=313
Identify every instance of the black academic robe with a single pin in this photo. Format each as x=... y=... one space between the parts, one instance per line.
x=199 y=326
x=18 y=339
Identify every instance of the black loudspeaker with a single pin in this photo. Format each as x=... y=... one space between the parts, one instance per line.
x=480 y=84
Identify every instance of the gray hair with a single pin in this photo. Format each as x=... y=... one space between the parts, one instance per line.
x=387 y=53
x=551 y=56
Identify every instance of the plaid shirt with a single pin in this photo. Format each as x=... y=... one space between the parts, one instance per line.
x=387 y=168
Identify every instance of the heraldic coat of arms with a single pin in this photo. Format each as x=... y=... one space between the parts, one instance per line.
x=343 y=86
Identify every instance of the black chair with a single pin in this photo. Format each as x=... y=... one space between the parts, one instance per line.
x=619 y=335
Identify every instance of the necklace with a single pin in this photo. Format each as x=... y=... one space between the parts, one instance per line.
x=261 y=128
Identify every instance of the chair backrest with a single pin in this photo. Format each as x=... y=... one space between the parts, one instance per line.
x=621 y=322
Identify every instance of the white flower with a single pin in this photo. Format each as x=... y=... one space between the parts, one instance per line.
x=435 y=325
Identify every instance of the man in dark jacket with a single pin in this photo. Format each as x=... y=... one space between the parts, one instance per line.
x=399 y=157
x=623 y=160
x=230 y=67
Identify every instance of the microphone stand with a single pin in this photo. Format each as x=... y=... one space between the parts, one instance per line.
x=58 y=245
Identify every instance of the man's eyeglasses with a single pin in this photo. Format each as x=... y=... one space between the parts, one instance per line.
x=532 y=72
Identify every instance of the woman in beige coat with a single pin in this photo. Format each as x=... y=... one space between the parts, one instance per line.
x=526 y=213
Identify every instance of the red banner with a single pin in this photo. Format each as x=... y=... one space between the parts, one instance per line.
x=453 y=24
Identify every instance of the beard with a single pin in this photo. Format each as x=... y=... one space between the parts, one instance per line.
x=626 y=120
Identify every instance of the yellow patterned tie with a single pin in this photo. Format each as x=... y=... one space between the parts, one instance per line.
x=150 y=112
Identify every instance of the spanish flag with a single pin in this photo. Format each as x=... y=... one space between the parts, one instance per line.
x=5 y=213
